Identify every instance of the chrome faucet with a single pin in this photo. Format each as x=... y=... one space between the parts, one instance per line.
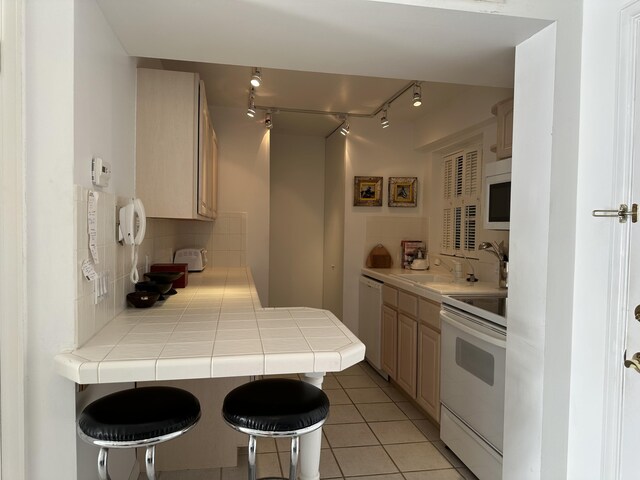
x=499 y=252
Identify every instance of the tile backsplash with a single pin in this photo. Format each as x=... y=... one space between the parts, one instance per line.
x=224 y=239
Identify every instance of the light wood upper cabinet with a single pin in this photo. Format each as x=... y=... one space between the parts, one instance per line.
x=504 y=113
x=176 y=147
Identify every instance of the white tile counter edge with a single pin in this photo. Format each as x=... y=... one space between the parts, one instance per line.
x=260 y=341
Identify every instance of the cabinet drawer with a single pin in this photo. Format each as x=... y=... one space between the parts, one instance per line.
x=429 y=313
x=390 y=295
x=408 y=304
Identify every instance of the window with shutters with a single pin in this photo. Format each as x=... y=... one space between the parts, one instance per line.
x=461 y=200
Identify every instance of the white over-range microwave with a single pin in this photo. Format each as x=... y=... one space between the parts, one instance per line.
x=497 y=195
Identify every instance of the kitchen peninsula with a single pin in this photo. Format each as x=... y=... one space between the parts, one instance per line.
x=215 y=328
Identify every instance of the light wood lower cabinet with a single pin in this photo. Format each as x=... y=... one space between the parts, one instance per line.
x=411 y=346
x=428 y=392
x=389 y=339
x=407 y=353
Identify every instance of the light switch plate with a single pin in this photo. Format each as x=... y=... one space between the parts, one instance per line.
x=100 y=172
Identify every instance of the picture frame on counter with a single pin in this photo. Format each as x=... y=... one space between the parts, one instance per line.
x=403 y=191
x=367 y=191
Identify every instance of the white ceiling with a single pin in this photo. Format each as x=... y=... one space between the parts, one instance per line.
x=228 y=86
x=299 y=43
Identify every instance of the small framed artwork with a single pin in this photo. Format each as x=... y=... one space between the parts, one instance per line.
x=367 y=191
x=403 y=191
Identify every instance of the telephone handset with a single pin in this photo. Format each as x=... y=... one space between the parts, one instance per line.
x=128 y=234
x=128 y=222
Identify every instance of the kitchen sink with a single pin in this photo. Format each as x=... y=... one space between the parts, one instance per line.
x=423 y=277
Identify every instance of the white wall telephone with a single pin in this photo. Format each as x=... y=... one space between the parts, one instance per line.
x=128 y=224
x=131 y=232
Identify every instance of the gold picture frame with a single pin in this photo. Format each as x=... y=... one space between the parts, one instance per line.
x=367 y=191
x=403 y=191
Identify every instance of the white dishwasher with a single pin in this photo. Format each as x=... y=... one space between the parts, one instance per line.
x=370 y=315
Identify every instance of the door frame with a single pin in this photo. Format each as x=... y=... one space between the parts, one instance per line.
x=12 y=243
x=628 y=49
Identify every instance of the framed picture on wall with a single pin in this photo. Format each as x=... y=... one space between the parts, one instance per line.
x=403 y=191
x=367 y=191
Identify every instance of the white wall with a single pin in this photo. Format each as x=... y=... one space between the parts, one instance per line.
x=105 y=101
x=463 y=112
x=50 y=399
x=296 y=220
x=243 y=183
x=373 y=151
x=334 y=195
x=528 y=277
x=104 y=125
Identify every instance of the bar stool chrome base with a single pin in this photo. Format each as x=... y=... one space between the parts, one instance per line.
x=275 y=408
x=139 y=417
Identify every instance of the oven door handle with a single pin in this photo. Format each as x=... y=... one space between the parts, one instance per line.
x=474 y=332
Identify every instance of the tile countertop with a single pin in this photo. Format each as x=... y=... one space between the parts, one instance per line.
x=402 y=278
x=216 y=327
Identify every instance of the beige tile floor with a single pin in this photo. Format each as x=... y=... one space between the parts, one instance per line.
x=372 y=433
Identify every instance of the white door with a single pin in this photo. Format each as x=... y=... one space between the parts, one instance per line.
x=631 y=384
x=622 y=402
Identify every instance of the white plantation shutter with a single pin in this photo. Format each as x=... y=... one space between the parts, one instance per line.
x=470 y=227
x=461 y=201
x=471 y=173
x=447 y=230
x=448 y=178
x=459 y=175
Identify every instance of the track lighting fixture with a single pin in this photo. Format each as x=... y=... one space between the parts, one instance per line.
x=384 y=120
x=251 y=111
x=417 y=95
x=344 y=129
x=268 y=121
x=256 y=77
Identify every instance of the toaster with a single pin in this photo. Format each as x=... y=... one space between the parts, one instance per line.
x=195 y=258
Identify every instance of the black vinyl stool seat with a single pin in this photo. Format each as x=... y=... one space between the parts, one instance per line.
x=137 y=417
x=276 y=407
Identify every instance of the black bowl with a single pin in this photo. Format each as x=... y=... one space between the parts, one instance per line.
x=164 y=277
x=142 y=299
x=157 y=287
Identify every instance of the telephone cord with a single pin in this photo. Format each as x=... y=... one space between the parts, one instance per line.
x=134 y=264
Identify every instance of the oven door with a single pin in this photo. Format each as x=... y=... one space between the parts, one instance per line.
x=472 y=373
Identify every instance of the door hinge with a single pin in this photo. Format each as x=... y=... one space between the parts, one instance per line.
x=622 y=213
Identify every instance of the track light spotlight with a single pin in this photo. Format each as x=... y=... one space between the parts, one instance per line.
x=417 y=95
x=384 y=120
x=256 y=77
x=268 y=121
x=344 y=129
x=251 y=111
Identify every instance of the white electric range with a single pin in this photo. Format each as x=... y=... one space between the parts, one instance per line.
x=473 y=353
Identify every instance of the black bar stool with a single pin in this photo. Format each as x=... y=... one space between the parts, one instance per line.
x=276 y=407
x=138 y=417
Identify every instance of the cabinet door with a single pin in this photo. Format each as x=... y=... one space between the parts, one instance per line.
x=167 y=142
x=504 y=113
x=389 y=336
x=407 y=353
x=206 y=160
x=429 y=371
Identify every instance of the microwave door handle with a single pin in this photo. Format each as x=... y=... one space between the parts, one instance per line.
x=473 y=332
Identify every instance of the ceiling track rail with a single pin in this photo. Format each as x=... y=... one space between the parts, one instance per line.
x=375 y=112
